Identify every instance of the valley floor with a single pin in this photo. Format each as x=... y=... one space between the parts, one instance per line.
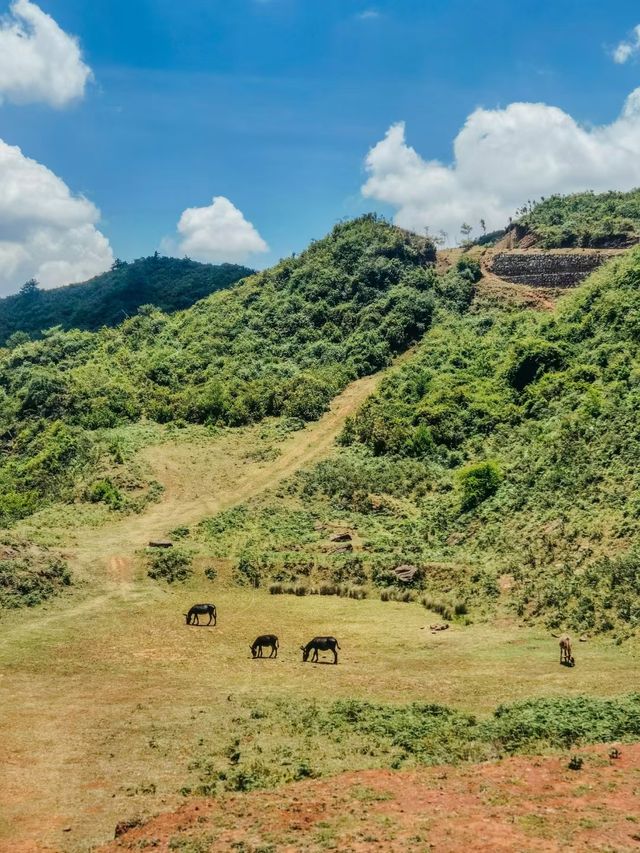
x=107 y=697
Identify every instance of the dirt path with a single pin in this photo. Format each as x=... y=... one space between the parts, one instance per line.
x=201 y=481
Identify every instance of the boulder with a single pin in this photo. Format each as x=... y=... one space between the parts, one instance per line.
x=340 y=537
x=405 y=573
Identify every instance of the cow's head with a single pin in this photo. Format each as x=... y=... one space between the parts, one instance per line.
x=305 y=652
x=187 y=617
x=254 y=650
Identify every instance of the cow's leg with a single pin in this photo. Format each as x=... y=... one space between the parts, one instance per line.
x=335 y=656
x=210 y=618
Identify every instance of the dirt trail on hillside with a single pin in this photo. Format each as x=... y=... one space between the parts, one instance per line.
x=202 y=480
x=199 y=480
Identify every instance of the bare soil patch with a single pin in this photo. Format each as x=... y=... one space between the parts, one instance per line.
x=523 y=804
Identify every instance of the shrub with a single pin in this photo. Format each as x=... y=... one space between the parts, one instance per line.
x=170 y=565
x=478 y=482
x=248 y=571
x=26 y=581
x=210 y=573
x=104 y=491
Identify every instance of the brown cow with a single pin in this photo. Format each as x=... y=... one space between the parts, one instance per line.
x=565 y=651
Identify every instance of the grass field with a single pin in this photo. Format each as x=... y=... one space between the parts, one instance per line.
x=111 y=704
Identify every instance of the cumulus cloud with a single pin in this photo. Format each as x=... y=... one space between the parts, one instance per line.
x=46 y=232
x=502 y=158
x=217 y=233
x=39 y=62
x=626 y=49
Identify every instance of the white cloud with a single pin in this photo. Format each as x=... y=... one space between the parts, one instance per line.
x=626 y=49
x=368 y=15
x=217 y=233
x=45 y=231
x=39 y=62
x=502 y=158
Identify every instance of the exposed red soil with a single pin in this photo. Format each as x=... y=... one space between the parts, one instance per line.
x=519 y=804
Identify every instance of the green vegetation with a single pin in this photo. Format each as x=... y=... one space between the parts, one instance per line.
x=171 y=284
x=171 y=565
x=282 y=342
x=501 y=459
x=534 y=417
x=585 y=219
x=29 y=576
x=281 y=741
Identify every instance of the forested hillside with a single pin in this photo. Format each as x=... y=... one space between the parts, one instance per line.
x=501 y=460
x=170 y=284
x=282 y=342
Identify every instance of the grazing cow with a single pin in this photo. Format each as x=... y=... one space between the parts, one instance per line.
x=265 y=641
x=320 y=644
x=198 y=610
x=565 y=651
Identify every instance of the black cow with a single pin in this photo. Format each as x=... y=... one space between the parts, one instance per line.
x=265 y=640
x=198 y=610
x=320 y=644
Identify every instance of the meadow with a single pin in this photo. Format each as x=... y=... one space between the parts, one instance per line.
x=113 y=707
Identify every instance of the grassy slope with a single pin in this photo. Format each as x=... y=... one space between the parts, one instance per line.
x=283 y=342
x=546 y=404
x=171 y=284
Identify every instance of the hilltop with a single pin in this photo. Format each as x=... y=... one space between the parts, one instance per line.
x=170 y=284
x=580 y=220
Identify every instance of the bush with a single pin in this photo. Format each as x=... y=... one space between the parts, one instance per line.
x=28 y=580
x=104 y=491
x=478 y=482
x=170 y=565
x=248 y=571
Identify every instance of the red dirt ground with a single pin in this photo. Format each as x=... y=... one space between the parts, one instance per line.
x=518 y=804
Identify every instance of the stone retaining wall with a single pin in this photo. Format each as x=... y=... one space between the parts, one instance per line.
x=544 y=269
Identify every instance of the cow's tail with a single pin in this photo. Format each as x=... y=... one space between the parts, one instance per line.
x=337 y=645
x=277 y=644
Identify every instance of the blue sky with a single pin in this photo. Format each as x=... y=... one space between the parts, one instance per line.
x=274 y=104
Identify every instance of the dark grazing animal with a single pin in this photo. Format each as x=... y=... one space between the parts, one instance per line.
x=320 y=644
x=198 y=610
x=565 y=651
x=265 y=641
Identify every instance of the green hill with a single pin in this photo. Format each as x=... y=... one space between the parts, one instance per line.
x=589 y=220
x=503 y=460
x=282 y=342
x=500 y=458
x=170 y=284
